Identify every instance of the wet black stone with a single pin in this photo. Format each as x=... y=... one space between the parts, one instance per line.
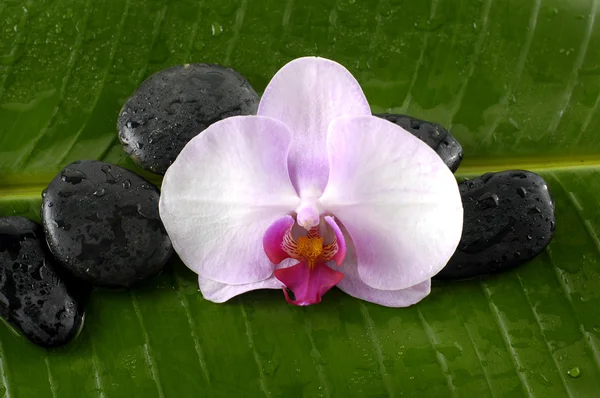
x=434 y=135
x=102 y=223
x=33 y=295
x=174 y=105
x=508 y=219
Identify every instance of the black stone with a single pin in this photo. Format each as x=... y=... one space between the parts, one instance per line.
x=508 y=219
x=33 y=295
x=174 y=105
x=434 y=135
x=102 y=223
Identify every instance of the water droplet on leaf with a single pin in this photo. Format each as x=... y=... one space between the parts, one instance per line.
x=574 y=372
x=216 y=29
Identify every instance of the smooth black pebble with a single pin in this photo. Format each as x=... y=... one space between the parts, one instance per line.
x=33 y=296
x=434 y=135
x=174 y=105
x=508 y=219
x=102 y=223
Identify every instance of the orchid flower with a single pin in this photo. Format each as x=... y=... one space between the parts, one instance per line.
x=311 y=193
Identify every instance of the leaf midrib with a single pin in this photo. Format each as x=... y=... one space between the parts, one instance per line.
x=15 y=186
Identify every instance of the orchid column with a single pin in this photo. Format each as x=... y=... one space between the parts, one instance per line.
x=353 y=200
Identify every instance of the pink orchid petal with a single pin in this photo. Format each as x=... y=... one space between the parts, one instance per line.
x=273 y=239
x=308 y=285
x=397 y=199
x=218 y=292
x=306 y=95
x=354 y=286
x=228 y=185
x=389 y=298
x=340 y=255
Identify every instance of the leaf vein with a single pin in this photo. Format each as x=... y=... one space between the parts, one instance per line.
x=75 y=53
x=261 y=374
x=237 y=27
x=53 y=388
x=96 y=366
x=370 y=328
x=155 y=32
x=147 y=350
x=186 y=307
x=433 y=341
x=480 y=359
x=588 y=119
x=317 y=357
x=4 y=372
x=506 y=337
x=576 y=68
x=594 y=350
x=194 y=31
x=473 y=65
x=541 y=329
x=13 y=51
x=111 y=57
x=413 y=81
x=535 y=14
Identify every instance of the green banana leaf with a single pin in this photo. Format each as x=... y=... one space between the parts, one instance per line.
x=516 y=81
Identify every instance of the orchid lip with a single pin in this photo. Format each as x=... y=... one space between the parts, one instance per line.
x=310 y=277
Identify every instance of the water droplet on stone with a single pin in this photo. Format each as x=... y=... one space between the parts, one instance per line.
x=126 y=184
x=522 y=192
x=489 y=200
x=72 y=176
x=100 y=192
x=131 y=124
x=106 y=169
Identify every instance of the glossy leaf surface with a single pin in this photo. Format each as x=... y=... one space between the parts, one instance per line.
x=518 y=83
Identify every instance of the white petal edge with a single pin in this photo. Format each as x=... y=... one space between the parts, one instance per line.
x=352 y=284
x=218 y=292
x=226 y=187
x=397 y=199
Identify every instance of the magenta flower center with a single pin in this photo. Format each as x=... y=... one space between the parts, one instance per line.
x=310 y=278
